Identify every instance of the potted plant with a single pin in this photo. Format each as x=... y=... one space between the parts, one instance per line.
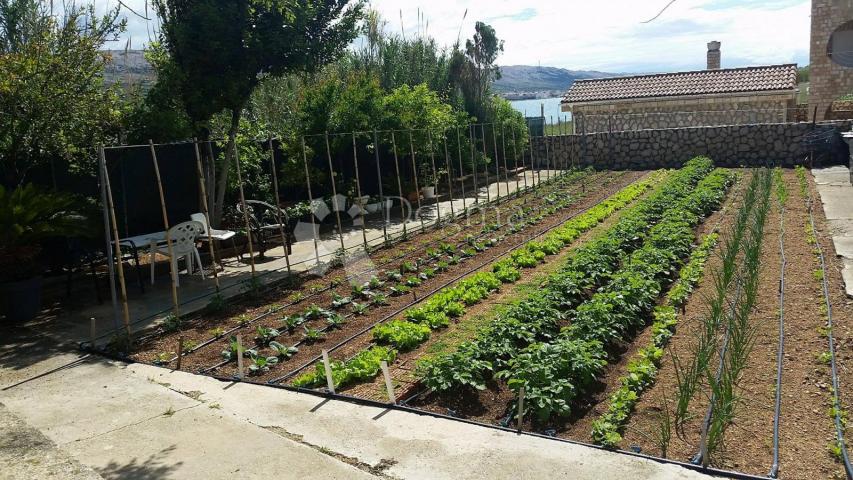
x=428 y=178
x=29 y=215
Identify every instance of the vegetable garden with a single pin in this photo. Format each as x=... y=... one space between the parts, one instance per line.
x=687 y=314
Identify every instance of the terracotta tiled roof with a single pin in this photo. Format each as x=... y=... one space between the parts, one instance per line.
x=702 y=82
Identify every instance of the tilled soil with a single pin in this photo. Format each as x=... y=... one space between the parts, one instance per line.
x=317 y=291
x=211 y=355
x=403 y=370
x=492 y=404
x=805 y=428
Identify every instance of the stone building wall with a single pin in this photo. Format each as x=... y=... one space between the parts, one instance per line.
x=683 y=112
x=784 y=144
x=828 y=79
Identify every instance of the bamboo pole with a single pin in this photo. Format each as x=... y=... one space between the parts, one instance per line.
x=108 y=242
x=399 y=184
x=420 y=213
x=515 y=158
x=449 y=177
x=474 y=165
x=335 y=195
x=362 y=209
x=173 y=262
x=486 y=167
x=206 y=212
x=245 y=209
x=461 y=171
x=434 y=180
x=534 y=172
x=310 y=202
x=284 y=244
x=114 y=226
x=497 y=164
x=385 y=212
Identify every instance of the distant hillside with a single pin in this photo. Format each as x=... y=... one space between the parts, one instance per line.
x=128 y=68
x=528 y=79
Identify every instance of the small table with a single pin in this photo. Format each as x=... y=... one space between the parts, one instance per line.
x=149 y=240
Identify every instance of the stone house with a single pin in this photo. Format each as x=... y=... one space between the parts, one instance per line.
x=715 y=96
x=831 y=59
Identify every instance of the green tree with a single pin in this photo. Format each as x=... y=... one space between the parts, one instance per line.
x=224 y=49
x=482 y=51
x=54 y=106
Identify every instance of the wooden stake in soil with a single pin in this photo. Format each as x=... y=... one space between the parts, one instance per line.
x=389 y=385
x=330 y=381
x=245 y=209
x=485 y=167
x=112 y=214
x=461 y=172
x=520 y=409
x=434 y=180
x=310 y=202
x=172 y=261
x=205 y=211
x=284 y=244
x=471 y=130
x=180 y=352
x=497 y=164
x=240 y=357
x=92 y=331
x=335 y=199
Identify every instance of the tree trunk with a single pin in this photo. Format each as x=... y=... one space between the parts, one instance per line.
x=222 y=181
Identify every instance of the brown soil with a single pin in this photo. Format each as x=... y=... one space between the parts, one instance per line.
x=317 y=291
x=805 y=428
x=210 y=355
x=403 y=370
x=490 y=405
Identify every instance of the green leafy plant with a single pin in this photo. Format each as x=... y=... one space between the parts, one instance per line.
x=336 y=321
x=171 y=324
x=312 y=335
x=265 y=335
x=401 y=334
x=283 y=351
x=217 y=303
x=261 y=364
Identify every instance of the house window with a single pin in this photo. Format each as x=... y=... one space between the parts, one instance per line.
x=840 y=45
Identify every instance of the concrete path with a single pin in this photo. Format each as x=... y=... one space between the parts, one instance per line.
x=836 y=193
x=142 y=422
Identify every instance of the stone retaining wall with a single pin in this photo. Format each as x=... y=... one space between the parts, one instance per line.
x=785 y=144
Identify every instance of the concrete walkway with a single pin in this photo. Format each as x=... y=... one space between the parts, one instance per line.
x=142 y=422
x=836 y=194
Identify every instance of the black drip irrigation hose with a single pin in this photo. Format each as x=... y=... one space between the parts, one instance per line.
x=706 y=422
x=780 y=352
x=449 y=282
x=350 y=315
x=839 y=428
x=387 y=243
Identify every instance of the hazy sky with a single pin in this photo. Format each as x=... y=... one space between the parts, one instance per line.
x=605 y=35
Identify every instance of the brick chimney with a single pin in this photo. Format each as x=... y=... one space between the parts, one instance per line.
x=714 y=55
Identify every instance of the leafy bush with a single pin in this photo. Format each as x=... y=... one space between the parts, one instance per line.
x=401 y=334
x=363 y=366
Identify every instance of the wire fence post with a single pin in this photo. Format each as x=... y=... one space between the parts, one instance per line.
x=314 y=229
x=285 y=245
x=245 y=209
x=515 y=162
x=461 y=171
x=108 y=242
x=449 y=177
x=533 y=167
x=485 y=164
x=399 y=184
x=434 y=180
x=206 y=213
x=548 y=163
x=361 y=208
x=108 y=193
x=173 y=262
x=497 y=164
x=506 y=169
x=420 y=213
x=474 y=165
x=386 y=212
x=335 y=200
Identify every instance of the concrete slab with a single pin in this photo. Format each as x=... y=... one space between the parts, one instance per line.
x=27 y=453
x=412 y=446
x=837 y=201
x=836 y=175
x=200 y=443
x=847 y=275
x=843 y=246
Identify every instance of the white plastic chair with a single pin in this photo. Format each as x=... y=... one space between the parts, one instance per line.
x=183 y=237
x=215 y=234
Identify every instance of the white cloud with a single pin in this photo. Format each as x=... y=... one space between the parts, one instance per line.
x=607 y=35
